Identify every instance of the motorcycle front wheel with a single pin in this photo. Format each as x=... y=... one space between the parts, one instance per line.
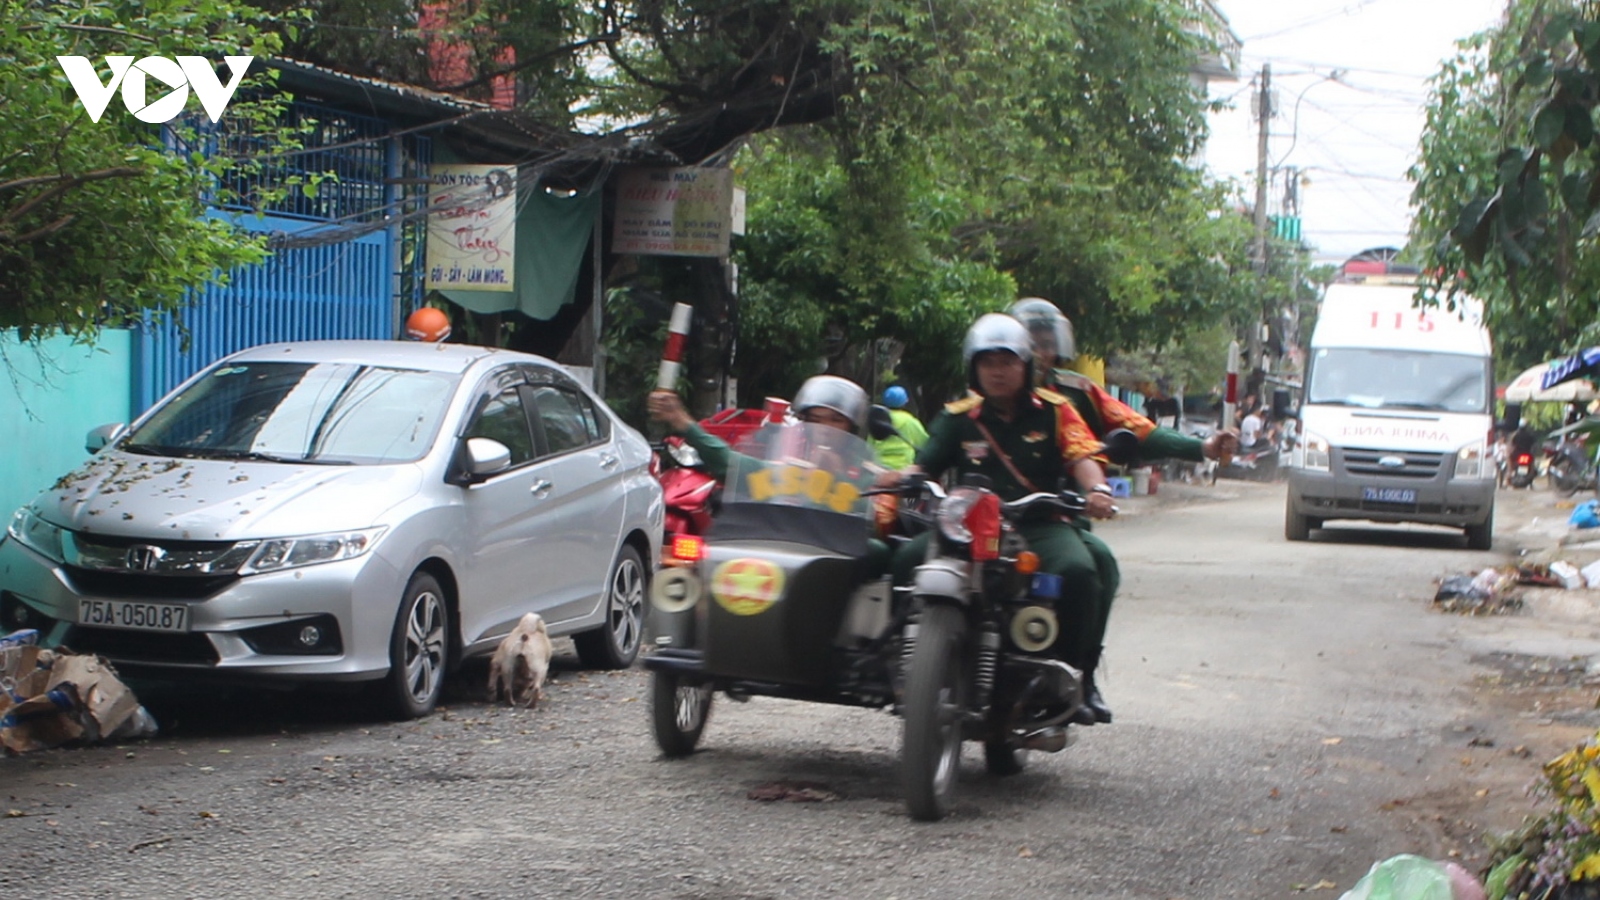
x=678 y=712
x=935 y=701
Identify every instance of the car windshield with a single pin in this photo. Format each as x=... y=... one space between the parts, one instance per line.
x=328 y=413
x=814 y=466
x=1399 y=379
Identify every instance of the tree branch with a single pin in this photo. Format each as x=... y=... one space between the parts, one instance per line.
x=38 y=233
x=607 y=39
x=63 y=183
x=92 y=29
x=665 y=88
x=115 y=172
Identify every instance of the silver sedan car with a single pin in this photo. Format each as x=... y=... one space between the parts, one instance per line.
x=345 y=510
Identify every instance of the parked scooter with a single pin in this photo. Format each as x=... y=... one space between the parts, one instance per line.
x=1567 y=465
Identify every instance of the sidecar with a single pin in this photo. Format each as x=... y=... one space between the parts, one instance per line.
x=785 y=596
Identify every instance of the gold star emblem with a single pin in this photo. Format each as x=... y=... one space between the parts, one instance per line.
x=747 y=586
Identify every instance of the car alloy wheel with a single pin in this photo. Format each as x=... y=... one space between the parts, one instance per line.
x=615 y=644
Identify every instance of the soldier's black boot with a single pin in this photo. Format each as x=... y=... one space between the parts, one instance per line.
x=1092 y=701
x=1084 y=714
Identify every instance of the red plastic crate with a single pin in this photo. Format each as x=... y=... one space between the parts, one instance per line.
x=733 y=424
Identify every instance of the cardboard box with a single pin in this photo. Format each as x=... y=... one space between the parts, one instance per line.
x=100 y=693
x=51 y=699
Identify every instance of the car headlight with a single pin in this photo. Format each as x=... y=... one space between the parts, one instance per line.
x=952 y=516
x=278 y=554
x=1314 y=450
x=1470 y=461
x=31 y=531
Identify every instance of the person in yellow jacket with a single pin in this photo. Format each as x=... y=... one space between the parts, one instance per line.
x=898 y=450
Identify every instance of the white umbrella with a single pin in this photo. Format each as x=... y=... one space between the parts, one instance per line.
x=1525 y=388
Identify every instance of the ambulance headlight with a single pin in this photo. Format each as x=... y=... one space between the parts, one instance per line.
x=1472 y=461
x=1314 y=448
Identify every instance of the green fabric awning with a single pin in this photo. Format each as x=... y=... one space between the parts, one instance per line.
x=553 y=235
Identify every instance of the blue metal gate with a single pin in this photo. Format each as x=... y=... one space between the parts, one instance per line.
x=338 y=288
x=341 y=290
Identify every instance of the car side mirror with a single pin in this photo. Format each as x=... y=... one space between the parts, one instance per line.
x=99 y=437
x=880 y=425
x=486 y=456
x=1122 y=446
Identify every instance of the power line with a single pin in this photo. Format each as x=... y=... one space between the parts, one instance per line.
x=1314 y=19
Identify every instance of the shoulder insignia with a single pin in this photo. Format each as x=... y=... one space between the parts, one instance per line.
x=965 y=404
x=1050 y=396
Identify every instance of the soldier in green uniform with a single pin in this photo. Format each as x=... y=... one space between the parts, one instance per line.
x=1024 y=440
x=1052 y=344
x=822 y=400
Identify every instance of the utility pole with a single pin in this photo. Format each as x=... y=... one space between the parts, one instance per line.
x=1263 y=118
x=1256 y=362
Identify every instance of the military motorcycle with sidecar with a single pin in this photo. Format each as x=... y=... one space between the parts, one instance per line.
x=788 y=596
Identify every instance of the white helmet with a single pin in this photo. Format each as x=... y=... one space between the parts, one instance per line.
x=841 y=395
x=1042 y=317
x=995 y=331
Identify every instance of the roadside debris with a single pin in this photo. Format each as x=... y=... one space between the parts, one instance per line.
x=1585 y=515
x=793 y=791
x=1566 y=574
x=1407 y=877
x=1490 y=592
x=1556 y=854
x=52 y=698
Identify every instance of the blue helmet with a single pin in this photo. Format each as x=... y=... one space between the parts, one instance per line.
x=895 y=397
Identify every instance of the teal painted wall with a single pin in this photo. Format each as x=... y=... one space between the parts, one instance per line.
x=51 y=394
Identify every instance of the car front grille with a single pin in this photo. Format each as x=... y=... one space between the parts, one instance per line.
x=1413 y=464
x=146 y=587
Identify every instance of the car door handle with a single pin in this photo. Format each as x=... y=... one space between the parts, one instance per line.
x=607 y=461
x=541 y=488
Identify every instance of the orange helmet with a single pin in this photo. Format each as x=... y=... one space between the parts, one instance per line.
x=428 y=324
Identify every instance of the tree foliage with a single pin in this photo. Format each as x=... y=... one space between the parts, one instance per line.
x=903 y=218
x=910 y=163
x=1506 y=188
x=100 y=222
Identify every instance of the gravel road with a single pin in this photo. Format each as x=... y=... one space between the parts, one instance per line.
x=1287 y=714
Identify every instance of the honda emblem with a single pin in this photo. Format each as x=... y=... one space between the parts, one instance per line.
x=144 y=557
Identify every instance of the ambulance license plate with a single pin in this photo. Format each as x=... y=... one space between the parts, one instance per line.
x=1389 y=495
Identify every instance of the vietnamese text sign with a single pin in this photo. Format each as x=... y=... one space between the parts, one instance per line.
x=472 y=225
x=673 y=212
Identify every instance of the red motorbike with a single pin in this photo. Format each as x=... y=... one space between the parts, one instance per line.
x=691 y=494
x=687 y=488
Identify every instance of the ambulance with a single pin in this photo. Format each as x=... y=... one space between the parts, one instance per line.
x=1396 y=423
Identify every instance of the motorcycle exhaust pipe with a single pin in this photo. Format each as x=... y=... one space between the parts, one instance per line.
x=1047 y=740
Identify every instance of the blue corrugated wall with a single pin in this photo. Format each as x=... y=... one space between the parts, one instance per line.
x=334 y=291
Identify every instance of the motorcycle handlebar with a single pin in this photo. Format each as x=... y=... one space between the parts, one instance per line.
x=1069 y=502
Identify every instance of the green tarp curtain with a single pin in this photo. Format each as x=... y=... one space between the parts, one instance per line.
x=553 y=234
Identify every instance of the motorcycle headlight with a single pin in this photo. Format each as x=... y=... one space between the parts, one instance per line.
x=1314 y=451
x=952 y=517
x=1470 y=461
x=287 y=553
x=35 y=533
